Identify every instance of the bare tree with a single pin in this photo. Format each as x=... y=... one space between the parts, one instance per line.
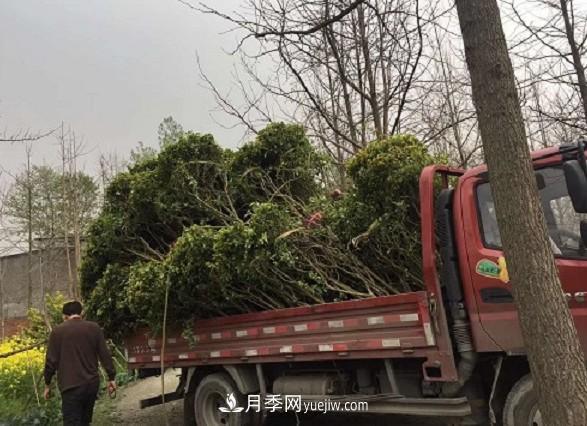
x=355 y=71
x=64 y=192
x=29 y=222
x=346 y=70
x=2 y=273
x=23 y=136
x=109 y=166
x=551 y=46
x=549 y=334
x=2 y=301
x=50 y=209
x=352 y=72
x=447 y=121
x=79 y=201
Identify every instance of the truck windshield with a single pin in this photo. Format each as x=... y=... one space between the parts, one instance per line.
x=562 y=220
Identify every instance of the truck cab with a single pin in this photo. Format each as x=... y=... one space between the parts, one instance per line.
x=474 y=281
x=493 y=314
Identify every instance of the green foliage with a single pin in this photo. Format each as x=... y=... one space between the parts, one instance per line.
x=191 y=178
x=151 y=204
x=379 y=218
x=51 y=196
x=26 y=412
x=177 y=188
x=281 y=159
x=142 y=154
x=192 y=283
x=243 y=231
x=385 y=173
x=145 y=292
x=349 y=217
x=107 y=303
x=107 y=242
x=390 y=246
x=39 y=322
x=169 y=132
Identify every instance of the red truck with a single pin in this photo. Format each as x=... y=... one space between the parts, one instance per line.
x=453 y=350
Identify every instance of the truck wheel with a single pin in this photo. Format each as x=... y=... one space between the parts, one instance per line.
x=218 y=402
x=521 y=405
x=189 y=415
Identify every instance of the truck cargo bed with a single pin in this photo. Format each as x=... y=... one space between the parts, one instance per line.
x=379 y=327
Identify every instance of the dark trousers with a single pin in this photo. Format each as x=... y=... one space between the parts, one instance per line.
x=77 y=404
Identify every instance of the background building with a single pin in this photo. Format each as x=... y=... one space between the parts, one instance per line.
x=49 y=274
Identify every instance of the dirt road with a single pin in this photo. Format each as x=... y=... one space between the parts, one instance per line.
x=126 y=411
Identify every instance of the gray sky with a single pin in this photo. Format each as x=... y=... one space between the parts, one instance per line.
x=112 y=69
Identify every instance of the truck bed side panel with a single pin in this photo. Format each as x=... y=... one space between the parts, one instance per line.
x=383 y=327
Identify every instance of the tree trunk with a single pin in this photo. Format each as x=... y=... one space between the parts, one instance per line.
x=331 y=41
x=452 y=110
x=76 y=222
x=370 y=73
x=66 y=214
x=29 y=232
x=2 y=314
x=556 y=358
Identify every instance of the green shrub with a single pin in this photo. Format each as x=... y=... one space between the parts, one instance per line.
x=280 y=159
x=192 y=283
x=106 y=243
x=253 y=229
x=38 y=322
x=108 y=303
x=145 y=292
x=379 y=219
x=151 y=204
x=191 y=178
x=386 y=173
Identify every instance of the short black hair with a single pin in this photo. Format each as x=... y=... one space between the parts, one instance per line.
x=72 y=308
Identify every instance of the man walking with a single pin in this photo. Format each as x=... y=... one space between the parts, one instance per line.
x=73 y=352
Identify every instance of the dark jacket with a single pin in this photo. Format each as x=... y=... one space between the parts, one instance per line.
x=73 y=352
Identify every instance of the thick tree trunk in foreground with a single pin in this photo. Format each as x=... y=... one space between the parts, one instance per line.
x=556 y=358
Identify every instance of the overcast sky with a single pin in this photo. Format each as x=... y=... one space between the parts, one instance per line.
x=112 y=69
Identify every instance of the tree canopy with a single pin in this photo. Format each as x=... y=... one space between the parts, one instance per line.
x=51 y=194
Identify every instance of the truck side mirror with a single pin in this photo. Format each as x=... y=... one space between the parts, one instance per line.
x=576 y=184
x=584 y=231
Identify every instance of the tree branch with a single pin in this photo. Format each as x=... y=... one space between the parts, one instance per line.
x=316 y=27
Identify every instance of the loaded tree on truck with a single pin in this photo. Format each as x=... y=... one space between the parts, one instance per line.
x=453 y=349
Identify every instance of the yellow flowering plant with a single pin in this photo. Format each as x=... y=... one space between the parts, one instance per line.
x=21 y=371
x=21 y=384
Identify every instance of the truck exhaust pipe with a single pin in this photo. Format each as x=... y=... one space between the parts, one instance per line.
x=468 y=358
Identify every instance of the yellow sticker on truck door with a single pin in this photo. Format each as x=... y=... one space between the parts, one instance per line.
x=490 y=269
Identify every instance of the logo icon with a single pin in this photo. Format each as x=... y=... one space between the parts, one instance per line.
x=491 y=269
x=232 y=406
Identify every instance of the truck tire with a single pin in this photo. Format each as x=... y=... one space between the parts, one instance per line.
x=218 y=402
x=189 y=415
x=521 y=405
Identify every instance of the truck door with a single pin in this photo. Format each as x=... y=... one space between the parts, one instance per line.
x=488 y=270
